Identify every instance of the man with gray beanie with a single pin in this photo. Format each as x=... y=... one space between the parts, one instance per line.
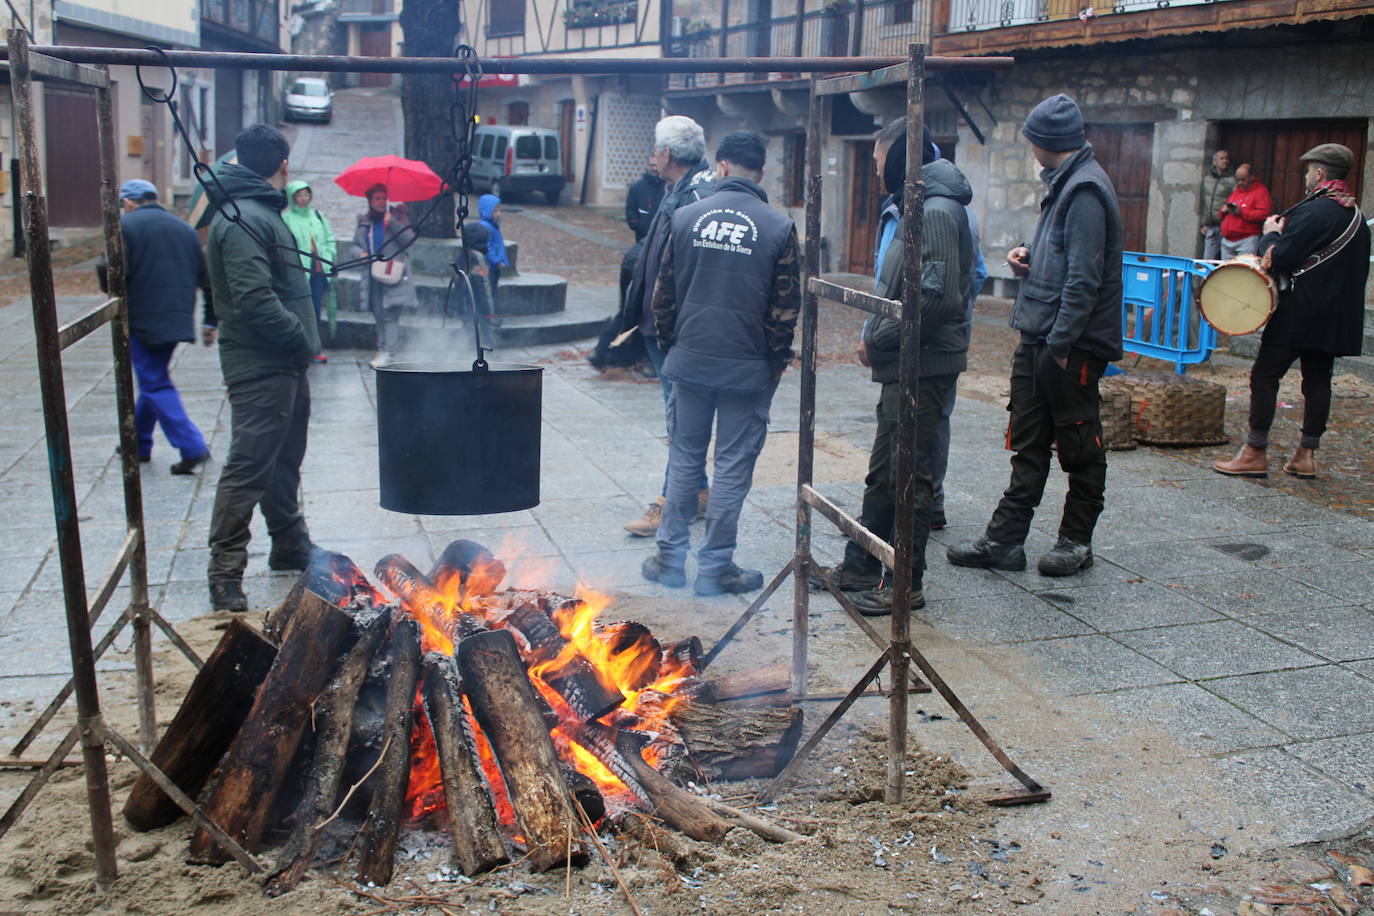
x=1321 y=247
x=1068 y=311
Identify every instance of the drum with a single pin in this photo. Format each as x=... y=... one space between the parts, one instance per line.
x=1238 y=297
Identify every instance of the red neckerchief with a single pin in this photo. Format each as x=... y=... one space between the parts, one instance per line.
x=1335 y=189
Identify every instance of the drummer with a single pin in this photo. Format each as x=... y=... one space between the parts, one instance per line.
x=1321 y=245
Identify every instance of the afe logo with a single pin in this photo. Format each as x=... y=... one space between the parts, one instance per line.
x=725 y=230
x=721 y=230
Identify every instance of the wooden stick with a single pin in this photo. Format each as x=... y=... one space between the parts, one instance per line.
x=588 y=829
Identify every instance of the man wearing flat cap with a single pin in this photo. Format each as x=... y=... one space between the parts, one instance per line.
x=1068 y=311
x=1319 y=250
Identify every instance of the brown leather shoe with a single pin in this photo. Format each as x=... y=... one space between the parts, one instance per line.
x=1249 y=462
x=646 y=526
x=703 y=500
x=1303 y=464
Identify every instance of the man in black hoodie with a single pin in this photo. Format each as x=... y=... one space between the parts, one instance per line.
x=947 y=282
x=642 y=200
x=1068 y=311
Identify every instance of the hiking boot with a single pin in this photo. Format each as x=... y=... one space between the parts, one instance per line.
x=1067 y=558
x=938 y=521
x=878 y=602
x=187 y=466
x=733 y=580
x=655 y=570
x=1303 y=464
x=293 y=558
x=228 y=596
x=646 y=526
x=845 y=579
x=1249 y=462
x=703 y=502
x=987 y=554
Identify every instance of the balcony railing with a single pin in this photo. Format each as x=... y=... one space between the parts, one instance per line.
x=253 y=18
x=974 y=15
x=888 y=27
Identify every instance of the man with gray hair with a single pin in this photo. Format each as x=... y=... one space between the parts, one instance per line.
x=680 y=154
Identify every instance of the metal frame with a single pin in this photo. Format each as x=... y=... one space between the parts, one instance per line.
x=28 y=62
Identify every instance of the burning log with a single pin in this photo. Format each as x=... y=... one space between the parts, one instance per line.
x=333 y=723
x=477 y=845
x=467 y=568
x=331 y=576
x=585 y=793
x=760 y=687
x=419 y=596
x=726 y=743
x=252 y=772
x=573 y=678
x=687 y=651
x=377 y=838
x=210 y=716
x=635 y=643
x=496 y=684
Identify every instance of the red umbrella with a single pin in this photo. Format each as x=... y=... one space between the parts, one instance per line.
x=405 y=179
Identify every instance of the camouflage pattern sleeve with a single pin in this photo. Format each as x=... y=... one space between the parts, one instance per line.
x=664 y=302
x=784 y=304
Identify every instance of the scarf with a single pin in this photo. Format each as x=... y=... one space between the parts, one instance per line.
x=1336 y=189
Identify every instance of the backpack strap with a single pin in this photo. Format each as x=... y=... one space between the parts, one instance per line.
x=1330 y=251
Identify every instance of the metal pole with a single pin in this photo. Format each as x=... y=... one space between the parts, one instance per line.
x=54 y=397
x=128 y=438
x=806 y=427
x=800 y=29
x=857 y=38
x=724 y=35
x=904 y=529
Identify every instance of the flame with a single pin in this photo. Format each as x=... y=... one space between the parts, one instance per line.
x=500 y=795
x=425 y=788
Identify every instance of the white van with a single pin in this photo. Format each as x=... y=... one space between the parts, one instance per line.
x=517 y=160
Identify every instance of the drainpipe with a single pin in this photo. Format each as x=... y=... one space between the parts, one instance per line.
x=591 y=144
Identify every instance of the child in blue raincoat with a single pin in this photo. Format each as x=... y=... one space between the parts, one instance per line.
x=489 y=209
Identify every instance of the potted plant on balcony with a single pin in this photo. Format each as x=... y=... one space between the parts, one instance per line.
x=607 y=12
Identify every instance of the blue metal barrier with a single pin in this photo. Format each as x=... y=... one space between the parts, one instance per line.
x=1159 y=310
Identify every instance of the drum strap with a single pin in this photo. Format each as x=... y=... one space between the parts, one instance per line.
x=1330 y=251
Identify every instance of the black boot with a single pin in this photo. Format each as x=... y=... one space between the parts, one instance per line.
x=845 y=579
x=987 y=554
x=655 y=570
x=733 y=580
x=227 y=595
x=878 y=602
x=1067 y=558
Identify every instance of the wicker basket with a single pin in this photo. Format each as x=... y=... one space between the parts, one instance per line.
x=1176 y=409
x=1118 y=421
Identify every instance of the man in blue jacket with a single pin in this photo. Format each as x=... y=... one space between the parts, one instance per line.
x=163 y=267
x=725 y=309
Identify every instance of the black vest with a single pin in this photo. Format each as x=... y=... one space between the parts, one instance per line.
x=725 y=251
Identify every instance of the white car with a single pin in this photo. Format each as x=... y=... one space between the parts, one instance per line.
x=309 y=99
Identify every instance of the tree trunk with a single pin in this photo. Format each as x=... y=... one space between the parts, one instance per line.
x=429 y=28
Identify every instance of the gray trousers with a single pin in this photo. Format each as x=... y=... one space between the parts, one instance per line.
x=388 y=319
x=741 y=421
x=1247 y=245
x=268 y=421
x=1211 y=244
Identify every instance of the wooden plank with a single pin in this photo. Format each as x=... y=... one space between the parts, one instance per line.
x=848 y=525
x=48 y=68
x=97 y=317
x=867 y=302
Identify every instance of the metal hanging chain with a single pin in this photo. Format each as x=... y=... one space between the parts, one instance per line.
x=219 y=198
x=464 y=131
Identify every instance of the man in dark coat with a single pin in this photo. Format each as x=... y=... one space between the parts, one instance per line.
x=163 y=267
x=725 y=308
x=1320 y=247
x=268 y=336
x=947 y=253
x=1068 y=311
x=641 y=203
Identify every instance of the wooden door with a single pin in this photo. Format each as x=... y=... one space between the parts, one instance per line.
x=375 y=41
x=1124 y=151
x=73 y=148
x=1272 y=148
x=865 y=202
x=567 y=127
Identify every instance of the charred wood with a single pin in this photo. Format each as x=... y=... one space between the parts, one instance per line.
x=727 y=743
x=210 y=716
x=331 y=576
x=419 y=596
x=585 y=793
x=496 y=684
x=477 y=845
x=573 y=678
x=687 y=651
x=466 y=569
x=761 y=687
x=633 y=646
x=377 y=838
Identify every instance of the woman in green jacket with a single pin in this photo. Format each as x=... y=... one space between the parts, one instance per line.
x=315 y=239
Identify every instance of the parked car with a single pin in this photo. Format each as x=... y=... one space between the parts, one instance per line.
x=517 y=160
x=309 y=99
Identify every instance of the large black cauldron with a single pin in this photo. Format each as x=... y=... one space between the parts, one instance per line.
x=458 y=441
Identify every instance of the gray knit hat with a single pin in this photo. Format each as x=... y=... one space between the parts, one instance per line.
x=1055 y=124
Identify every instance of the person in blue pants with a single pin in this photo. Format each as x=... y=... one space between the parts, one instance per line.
x=164 y=265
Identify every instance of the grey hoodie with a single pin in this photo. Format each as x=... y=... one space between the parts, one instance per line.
x=946 y=279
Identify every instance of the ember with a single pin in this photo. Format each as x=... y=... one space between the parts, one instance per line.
x=491 y=712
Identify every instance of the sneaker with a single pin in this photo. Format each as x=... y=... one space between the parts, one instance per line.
x=228 y=596
x=733 y=580
x=321 y=358
x=294 y=558
x=655 y=570
x=646 y=526
x=703 y=502
x=187 y=466
x=878 y=601
x=987 y=554
x=845 y=579
x=382 y=359
x=938 y=521
x=1067 y=558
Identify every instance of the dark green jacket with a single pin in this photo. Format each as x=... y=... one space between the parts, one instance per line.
x=262 y=297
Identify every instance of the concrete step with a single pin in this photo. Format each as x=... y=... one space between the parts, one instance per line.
x=433 y=256
x=522 y=294
x=1361 y=366
x=586 y=314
